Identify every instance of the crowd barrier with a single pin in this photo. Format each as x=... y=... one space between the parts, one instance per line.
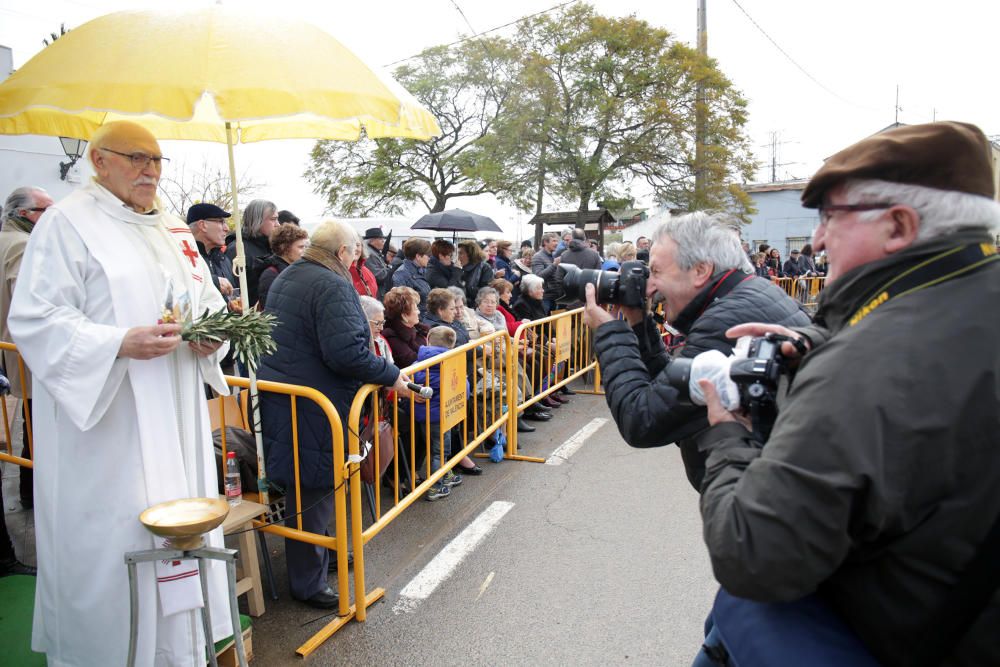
x=8 y=419
x=804 y=290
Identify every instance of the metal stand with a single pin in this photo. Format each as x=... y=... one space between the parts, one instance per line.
x=202 y=553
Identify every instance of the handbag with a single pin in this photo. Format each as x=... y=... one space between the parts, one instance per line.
x=386 y=443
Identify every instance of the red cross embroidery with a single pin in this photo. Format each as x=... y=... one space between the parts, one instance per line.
x=189 y=252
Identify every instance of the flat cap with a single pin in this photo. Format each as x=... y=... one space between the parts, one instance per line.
x=946 y=155
x=205 y=212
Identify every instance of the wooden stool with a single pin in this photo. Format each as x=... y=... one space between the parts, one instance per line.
x=240 y=518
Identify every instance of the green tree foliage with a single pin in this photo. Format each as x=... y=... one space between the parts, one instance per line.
x=610 y=102
x=467 y=88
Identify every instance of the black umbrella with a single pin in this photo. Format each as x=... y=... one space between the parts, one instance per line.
x=456 y=220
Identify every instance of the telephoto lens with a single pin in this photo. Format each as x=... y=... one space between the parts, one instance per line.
x=626 y=287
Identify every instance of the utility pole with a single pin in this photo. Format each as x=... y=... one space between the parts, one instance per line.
x=700 y=111
x=898 y=108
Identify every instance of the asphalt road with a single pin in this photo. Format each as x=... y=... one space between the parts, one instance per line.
x=595 y=561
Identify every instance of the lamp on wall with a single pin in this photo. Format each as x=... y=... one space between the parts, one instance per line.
x=74 y=150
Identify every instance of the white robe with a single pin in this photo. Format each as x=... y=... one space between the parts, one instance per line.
x=112 y=436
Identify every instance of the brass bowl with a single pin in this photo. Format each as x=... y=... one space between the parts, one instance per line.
x=186 y=520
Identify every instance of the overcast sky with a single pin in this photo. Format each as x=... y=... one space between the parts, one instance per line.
x=848 y=58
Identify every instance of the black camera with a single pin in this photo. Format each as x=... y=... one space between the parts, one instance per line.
x=756 y=376
x=626 y=287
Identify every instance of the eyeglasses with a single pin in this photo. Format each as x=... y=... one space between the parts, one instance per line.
x=37 y=210
x=378 y=324
x=141 y=160
x=826 y=211
x=221 y=221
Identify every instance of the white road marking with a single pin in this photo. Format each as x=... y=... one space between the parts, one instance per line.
x=568 y=448
x=449 y=558
x=486 y=584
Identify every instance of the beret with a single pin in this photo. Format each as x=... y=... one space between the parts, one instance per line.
x=944 y=155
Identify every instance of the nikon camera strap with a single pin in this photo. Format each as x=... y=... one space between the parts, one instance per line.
x=951 y=263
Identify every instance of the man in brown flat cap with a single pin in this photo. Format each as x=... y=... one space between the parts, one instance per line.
x=868 y=525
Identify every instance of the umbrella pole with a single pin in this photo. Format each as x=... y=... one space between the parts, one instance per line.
x=239 y=266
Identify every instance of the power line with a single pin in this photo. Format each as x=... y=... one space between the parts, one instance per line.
x=792 y=60
x=464 y=17
x=486 y=32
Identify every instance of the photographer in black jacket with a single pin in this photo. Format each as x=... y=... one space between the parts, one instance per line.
x=706 y=283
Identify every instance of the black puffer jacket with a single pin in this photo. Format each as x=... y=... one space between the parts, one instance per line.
x=633 y=363
x=439 y=275
x=324 y=343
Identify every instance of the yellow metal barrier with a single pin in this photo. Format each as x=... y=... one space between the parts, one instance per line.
x=337 y=542
x=8 y=420
x=555 y=350
x=477 y=416
x=804 y=290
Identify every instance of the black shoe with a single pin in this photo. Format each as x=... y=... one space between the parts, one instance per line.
x=14 y=566
x=523 y=426
x=325 y=599
x=549 y=403
x=566 y=391
x=538 y=416
x=476 y=470
x=332 y=567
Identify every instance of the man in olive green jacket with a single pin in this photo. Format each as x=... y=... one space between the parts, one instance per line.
x=878 y=484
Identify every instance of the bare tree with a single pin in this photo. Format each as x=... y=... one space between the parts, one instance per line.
x=208 y=184
x=54 y=36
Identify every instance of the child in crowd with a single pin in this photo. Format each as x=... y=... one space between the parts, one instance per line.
x=440 y=339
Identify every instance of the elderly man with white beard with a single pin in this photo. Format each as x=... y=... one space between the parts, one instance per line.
x=120 y=418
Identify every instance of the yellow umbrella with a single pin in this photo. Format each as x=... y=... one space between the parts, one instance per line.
x=185 y=74
x=212 y=74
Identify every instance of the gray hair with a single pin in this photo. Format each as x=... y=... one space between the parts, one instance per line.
x=611 y=250
x=254 y=214
x=23 y=197
x=457 y=293
x=530 y=282
x=942 y=212
x=372 y=306
x=485 y=293
x=550 y=236
x=705 y=237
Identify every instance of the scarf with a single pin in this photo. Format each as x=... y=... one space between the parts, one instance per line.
x=324 y=257
x=17 y=223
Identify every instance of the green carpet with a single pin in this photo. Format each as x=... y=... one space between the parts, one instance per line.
x=18 y=595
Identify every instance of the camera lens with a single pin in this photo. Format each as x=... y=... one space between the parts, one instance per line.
x=575 y=282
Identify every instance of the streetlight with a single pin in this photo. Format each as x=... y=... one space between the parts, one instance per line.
x=74 y=150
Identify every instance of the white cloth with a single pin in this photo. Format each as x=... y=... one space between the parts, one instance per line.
x=714 y=366
x=112 y=436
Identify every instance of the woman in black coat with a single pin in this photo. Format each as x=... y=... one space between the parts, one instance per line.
x=324 y=342
x=440 y=271
x=476 y=271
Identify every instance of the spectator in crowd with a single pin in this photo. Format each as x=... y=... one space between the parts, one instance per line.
x=530 y=307
x=486 y=308
x=119 y=411
x=324 y=341
x=821 y=264
x=288 y=242
x=525 y=245
x=523 y=263
x=807 y=259
x=871 y=509
x=476 y=271
x=442 y=311
x=287 y=217
x=611 y=257
x=440 y=339
x=467 y=316
x=441 y=269
x=390 y=255
x=403 y=328
x=505 y=291
x=376 y=262
x=209 y=228
x=759 y=268
x=564 y=242
x=627 y=253
x=489 y=247
x=642 y=243
x=764 y=247
x=410 y=273
x=23 y=208
x=774 y=263
x=746 y=249
x=580 y=253
x=375 y=312
x=546 y=266
x=361 y=276
x=700 y=271
x=794 y=266
x=260 y=217
x=505 y=267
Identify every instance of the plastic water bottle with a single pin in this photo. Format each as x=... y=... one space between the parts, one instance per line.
x=234 y=488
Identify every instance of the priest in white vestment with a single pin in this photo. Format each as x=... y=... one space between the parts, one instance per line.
x=120 y=419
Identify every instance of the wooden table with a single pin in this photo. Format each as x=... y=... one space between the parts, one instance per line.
x=248 y=581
